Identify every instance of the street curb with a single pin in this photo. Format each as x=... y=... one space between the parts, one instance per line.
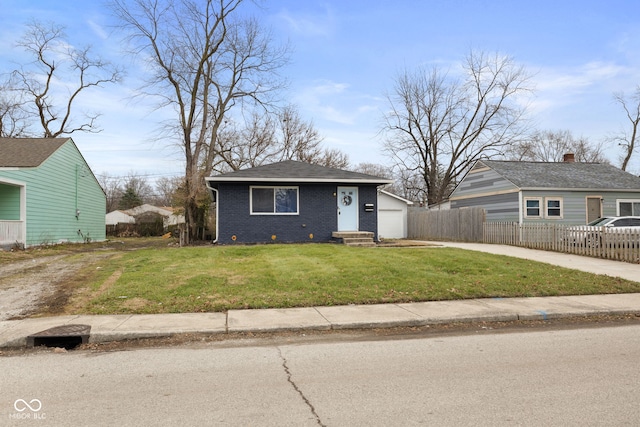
x=104 y=337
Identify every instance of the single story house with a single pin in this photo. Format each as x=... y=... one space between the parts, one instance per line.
x=561 y=192
x=293 y=201
x=48 y=194
x=128 y=216
x=119 y=217
x=392 y=215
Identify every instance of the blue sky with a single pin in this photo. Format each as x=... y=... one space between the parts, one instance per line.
x=346 y=54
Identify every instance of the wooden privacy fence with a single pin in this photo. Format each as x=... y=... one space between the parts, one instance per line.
x=462 y=225
x=601 y=242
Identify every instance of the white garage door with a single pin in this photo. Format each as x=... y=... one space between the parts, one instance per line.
x=391 y=224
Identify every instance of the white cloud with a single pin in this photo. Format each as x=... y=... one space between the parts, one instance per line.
x=335 y=102
x=98 y=30
x=319 y=24
x=577 y=79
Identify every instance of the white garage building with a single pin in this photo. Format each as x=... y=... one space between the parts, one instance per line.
x=392 y=216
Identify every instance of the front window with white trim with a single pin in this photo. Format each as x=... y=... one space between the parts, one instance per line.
x=553 y=208
x=628 y=207
x=274 y=200
x=533 y=207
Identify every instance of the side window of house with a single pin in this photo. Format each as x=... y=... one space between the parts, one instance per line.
x=629 y=207
x=532 y=207
x=553 y=208
x=274 y=200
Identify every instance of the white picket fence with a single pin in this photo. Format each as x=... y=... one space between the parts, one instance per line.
x=468 y=225
x=602 y=242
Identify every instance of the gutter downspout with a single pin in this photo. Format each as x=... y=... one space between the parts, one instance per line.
x=217 y=199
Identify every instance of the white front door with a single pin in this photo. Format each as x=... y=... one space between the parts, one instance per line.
x=347 y=208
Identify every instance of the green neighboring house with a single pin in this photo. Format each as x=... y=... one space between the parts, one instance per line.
x=48 y=194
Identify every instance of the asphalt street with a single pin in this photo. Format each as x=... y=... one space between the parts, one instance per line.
x=571 y=377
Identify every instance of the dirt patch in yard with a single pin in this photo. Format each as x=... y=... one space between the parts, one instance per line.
x=45 y=281
x=39 y=284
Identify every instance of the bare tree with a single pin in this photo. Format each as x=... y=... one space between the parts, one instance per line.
x=165 y=190
x=551 y=146
x=266 y=138
x=246 y=143
x=203 y=63
x=627 y=138
x=14 y=117
x=57 y=77
x=438 y=126
x=383 y=171
x=139 y=184
x=299 y=140
x=112 y=187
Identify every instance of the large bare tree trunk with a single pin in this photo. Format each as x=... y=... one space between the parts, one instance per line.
x=204 y=63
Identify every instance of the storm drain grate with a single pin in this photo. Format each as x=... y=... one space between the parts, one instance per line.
x=66 y=336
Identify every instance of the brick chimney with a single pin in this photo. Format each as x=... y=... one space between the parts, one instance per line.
x=569 y=158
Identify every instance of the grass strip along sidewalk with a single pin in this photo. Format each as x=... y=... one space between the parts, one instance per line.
x=204 y=279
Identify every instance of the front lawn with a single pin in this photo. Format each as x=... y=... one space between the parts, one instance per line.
x=201 y=279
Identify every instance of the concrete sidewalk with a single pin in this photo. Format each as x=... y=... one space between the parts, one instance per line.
x=120 y=327
x=14 y=333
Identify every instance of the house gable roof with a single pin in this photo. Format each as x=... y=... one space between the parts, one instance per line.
x=395 y=196
x=294 y=171
x=28 y=152
x=563 y=175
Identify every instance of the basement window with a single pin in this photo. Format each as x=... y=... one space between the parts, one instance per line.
x=274 y=200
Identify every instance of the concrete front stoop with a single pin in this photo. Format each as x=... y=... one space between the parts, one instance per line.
x=355 y=238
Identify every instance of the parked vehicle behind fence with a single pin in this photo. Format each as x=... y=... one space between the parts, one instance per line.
x=609 y=231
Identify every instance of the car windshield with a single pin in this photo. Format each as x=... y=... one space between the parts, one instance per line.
x=600 y=221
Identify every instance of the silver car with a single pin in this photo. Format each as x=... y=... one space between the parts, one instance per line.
x=611 y=230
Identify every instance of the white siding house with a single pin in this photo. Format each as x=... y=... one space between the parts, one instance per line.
x=119 y=217
x=129 y=216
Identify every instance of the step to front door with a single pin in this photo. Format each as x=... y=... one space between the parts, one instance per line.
x=355 y=238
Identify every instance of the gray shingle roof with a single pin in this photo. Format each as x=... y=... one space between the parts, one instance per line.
x=597 y=176
x=27 y=152
x=293 y=171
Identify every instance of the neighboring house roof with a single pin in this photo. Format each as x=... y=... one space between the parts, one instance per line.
x=148 y=208
x=128 y=216
x=27 y=152
x=117 y=216
x=408 y=202
x=293 y=171
x=563 y=175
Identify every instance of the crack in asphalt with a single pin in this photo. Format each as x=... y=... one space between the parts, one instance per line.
x=297 y=389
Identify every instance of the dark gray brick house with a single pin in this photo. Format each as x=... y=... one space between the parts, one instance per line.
x=293 y=201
